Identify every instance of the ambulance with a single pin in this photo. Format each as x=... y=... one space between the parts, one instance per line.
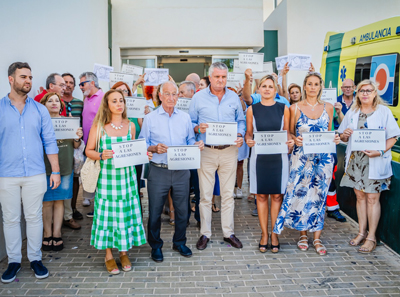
x=369 y=52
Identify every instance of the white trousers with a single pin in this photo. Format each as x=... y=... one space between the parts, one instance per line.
x=30 y=191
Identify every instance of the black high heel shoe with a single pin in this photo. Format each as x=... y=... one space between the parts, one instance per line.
x=275 y=247
x=261 y=247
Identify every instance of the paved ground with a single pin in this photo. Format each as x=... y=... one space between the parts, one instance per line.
x=220 y=270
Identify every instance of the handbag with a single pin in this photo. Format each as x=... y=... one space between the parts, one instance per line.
x=79 y=158
x=91 y=169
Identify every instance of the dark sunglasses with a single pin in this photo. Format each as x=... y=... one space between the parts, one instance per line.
x=83 y=83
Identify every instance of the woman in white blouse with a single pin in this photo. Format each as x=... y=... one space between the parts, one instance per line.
x=368 y=171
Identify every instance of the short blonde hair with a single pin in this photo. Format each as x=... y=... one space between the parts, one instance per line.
x=271 y=77
x=377 y=99
x=321 y=81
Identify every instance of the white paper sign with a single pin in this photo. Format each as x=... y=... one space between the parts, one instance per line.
x=130 y=153
x=329 y=95
x=116 y=77
x=260 y=75
x=136 y=71
x=183 y=104
x=368 y=139
x=281 y=61
x=319 y=142
x=234 y=79
x=219 y=133
x=299 y=62
x=268 y=67
x=236 y=67
x=183 y=157
x=270 y=142
x=66 y=127
x=254 y=61
x=135 y=107
x=155 y=76
x=102 y=71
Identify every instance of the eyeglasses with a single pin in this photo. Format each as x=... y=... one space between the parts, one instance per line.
x=69 y=106
x=125 y=91
x=366 y=91
x=61 y=85
x=347 y=88
x=169 y=95
x=83 y=83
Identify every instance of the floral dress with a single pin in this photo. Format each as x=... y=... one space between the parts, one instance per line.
x=117 y=221
x=357 y=172
x=303 y=206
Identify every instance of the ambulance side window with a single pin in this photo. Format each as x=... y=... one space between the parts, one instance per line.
x=363 y=71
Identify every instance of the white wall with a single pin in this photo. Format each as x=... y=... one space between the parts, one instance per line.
x=308 y=21
x=182 y=23
x=52 y=36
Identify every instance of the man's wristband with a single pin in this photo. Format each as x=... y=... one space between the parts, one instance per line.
x=199 y=130
x=55 y=173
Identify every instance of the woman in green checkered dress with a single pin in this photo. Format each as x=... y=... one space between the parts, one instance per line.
x=117 y=221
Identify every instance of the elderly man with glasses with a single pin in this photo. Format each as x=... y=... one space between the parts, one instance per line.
x=54 y=83
x=92 y=96
x=164 y=127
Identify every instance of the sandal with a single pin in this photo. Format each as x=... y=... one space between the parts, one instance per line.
x=125 y=263
x=263 y=247
x=58 y=247
x=112 y=267
x=303 y=243
x=214 y=208
x=322 y=249
x=353 y=242
x=275 y=248
x=49 y=246
x=172 y=221
x=363 y=250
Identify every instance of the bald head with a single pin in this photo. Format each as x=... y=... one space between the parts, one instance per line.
x=348 y=87
x=195 y=78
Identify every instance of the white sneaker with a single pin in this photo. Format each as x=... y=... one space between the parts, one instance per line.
x=239 y=193
x=234 y=193
x=86 y=202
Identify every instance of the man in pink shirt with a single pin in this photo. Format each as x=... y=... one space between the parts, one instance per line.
x=92 y=96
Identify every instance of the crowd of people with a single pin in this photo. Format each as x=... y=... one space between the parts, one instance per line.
x=42 y=172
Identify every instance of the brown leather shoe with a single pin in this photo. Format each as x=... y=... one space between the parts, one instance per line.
x=72 y=224
x=202 y=243
x=234 y=241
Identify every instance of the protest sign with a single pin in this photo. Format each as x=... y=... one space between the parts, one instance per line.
x=329 y=95
x=126 y=78
x=281 y=61
x=254 y=61
x=270 y=142
x=236 y=67
x=130 y=153
x=368 y=139
x=66 y=127
x=136 y=71
x=155 y=76
x=183 y=157
x=299 y=62
x=102 y=71
x=319 y=142
x=183 y=104
x=135 y=107
x=219 y=133
x=234 y=79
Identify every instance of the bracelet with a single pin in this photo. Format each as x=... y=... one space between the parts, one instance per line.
x=55 y=173
x=382 y=153
x=101 y=155
x=79 y=140
x=199 y=130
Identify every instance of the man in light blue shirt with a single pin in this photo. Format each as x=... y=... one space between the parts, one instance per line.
x=167 y=126
x=25 y=128
x=217 y=104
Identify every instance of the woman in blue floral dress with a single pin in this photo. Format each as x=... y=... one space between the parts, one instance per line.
x=303 y=206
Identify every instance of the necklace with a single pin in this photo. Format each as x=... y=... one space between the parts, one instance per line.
x=312 y=105
x=115 y=127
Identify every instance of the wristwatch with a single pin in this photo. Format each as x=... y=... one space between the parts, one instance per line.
x=101 y=156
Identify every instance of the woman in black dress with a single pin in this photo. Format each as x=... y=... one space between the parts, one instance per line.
x=268 y=173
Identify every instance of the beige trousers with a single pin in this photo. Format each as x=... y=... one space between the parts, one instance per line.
x=225 y=161
x=67 y=209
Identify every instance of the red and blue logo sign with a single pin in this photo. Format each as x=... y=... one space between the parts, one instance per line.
x=382 y=72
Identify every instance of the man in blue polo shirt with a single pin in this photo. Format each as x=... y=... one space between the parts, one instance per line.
x=344 y=101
